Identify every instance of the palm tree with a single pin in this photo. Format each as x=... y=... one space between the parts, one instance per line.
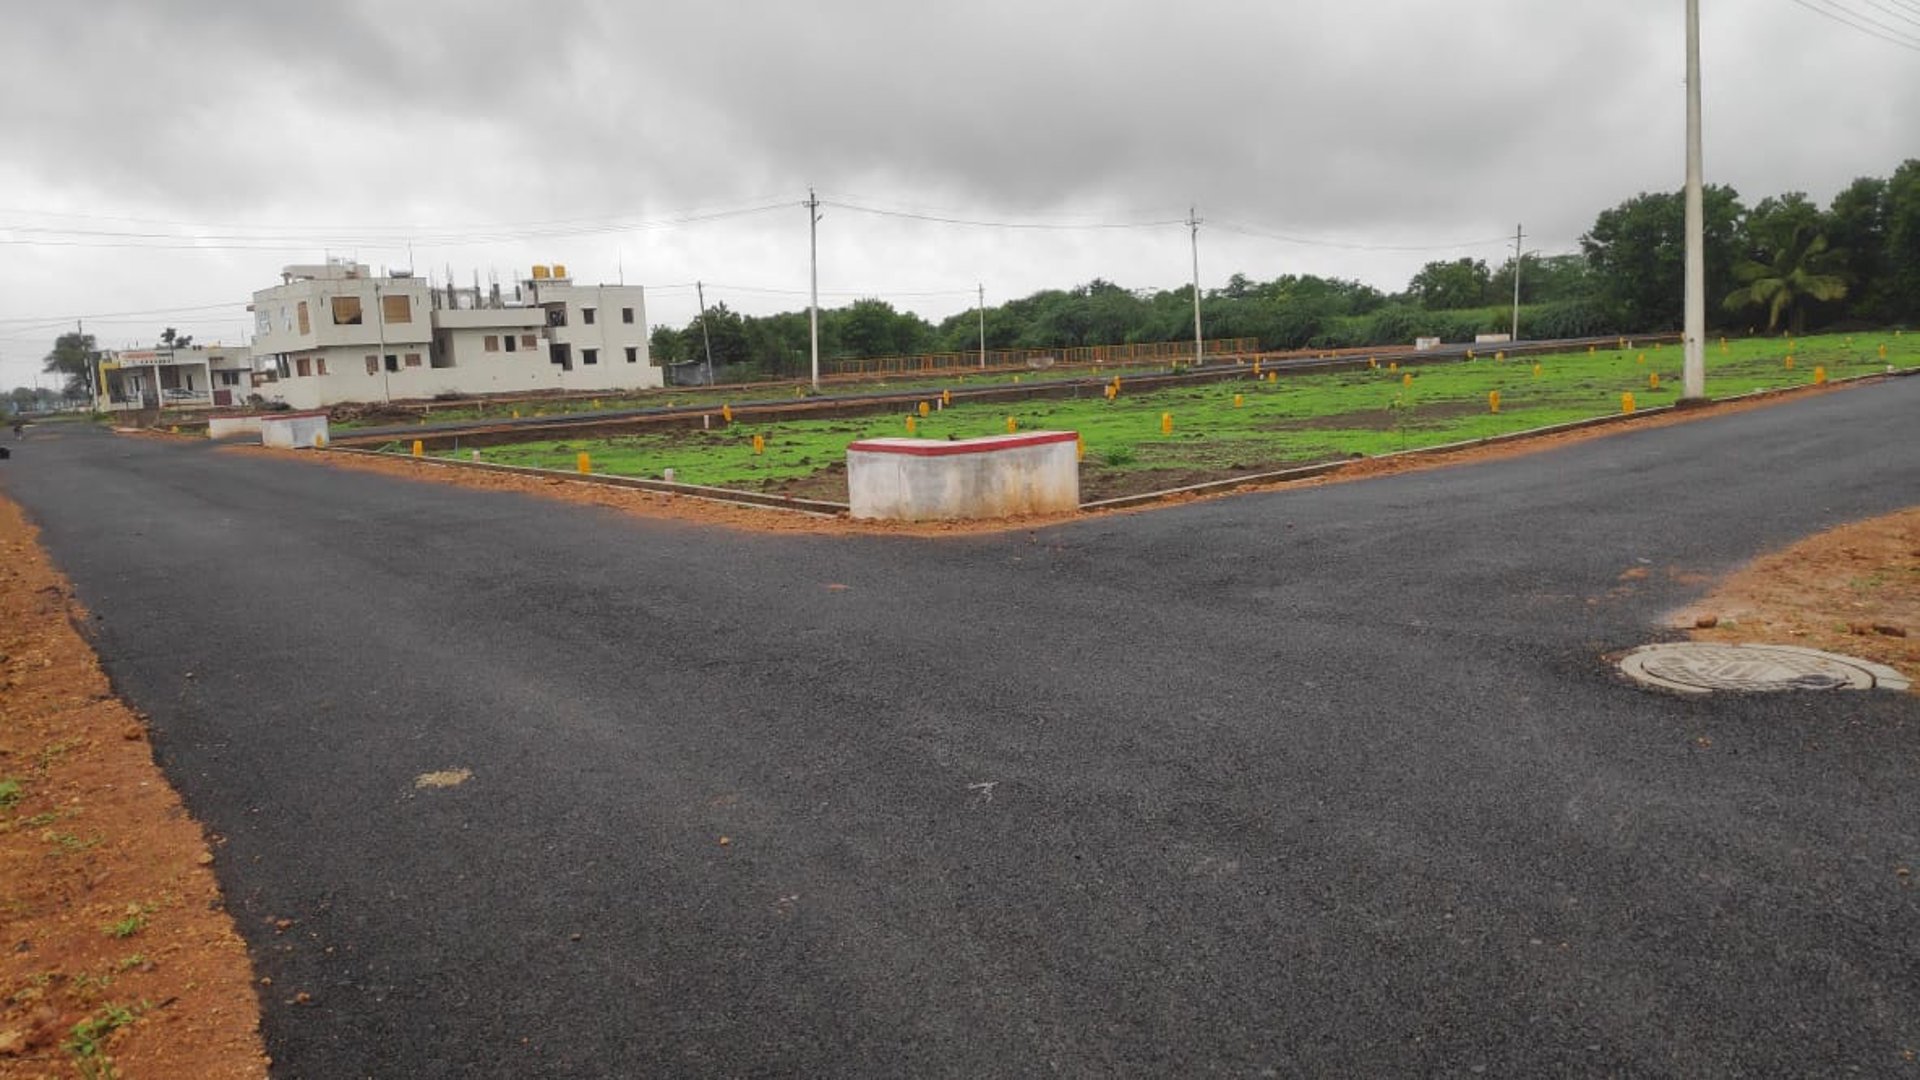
x=1800 y=270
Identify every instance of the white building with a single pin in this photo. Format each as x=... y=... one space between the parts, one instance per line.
x=334 y=333
x=196 y=377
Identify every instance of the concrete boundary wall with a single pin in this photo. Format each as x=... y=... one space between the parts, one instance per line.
x=1000 y=476
x=226 y=427
x=294 y=430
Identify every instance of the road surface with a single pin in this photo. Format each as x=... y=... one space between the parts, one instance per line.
x=1325 y=781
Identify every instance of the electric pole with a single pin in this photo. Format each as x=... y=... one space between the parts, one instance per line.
x=1193 y=226
x=813 y=307
x=701 y=291
x=1519 y=236
x=1693 y=334
x=983 y=326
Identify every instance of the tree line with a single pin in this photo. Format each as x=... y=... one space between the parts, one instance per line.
x=1785 y=263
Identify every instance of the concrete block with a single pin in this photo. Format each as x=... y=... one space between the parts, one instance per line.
x=293 y=430
x=226 y=427
x=999 y=476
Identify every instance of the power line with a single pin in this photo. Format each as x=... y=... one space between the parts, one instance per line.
x=45 y=236
x=1847 y=20
x=1285 y=238
x=36 y=319
x=943 y=219
x=336 y=228
x=1897 y=13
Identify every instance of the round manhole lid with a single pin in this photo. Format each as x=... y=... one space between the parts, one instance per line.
x=1698 y=667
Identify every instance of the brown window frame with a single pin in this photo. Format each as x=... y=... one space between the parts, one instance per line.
x=349 y=306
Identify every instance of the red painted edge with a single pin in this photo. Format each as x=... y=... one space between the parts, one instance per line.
x=935 y=448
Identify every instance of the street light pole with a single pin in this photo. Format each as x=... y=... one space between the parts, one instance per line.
x=813 y=305
x=707 y=342
x=1519 y=238
x=1694 y=333
x=380 y=334
x=1193 y=226
x=983 y=326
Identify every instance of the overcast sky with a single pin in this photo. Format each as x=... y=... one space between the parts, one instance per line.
x=175 y=155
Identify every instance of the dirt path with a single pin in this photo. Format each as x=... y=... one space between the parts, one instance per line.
x=1853 y=590
x=118 y=954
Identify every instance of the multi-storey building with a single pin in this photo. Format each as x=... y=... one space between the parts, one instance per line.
x=333 y=333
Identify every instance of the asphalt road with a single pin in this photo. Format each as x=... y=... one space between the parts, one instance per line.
x=1328 y=781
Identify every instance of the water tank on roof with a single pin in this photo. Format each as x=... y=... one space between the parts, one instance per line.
x=540 y=273
x=559 y=271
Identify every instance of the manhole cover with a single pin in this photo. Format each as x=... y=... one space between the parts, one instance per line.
x=1703 y=667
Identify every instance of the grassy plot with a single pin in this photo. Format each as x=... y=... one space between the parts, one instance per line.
x=1295 y=420
x=615 y=400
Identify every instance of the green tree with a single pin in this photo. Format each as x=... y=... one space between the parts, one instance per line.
x=73 y=355
x=1447 y=286
x=1549 y=279
x=1800 y=271
x=173 y=339
x=724 y=332
x=1903 y=240
x=1638 y=253
x=665 y=345
x=1857 y=225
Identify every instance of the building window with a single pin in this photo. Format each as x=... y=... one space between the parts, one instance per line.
x=493 y=342
x=586 y=315
x=633 y=354
x=510 y=343
x=413 y=359
x=306 y=322
x=373 y=365
x=557 y=315
x=589 y=356
x=228 y=378
x=303 y=366
x=626 y=315
x=346 y=311
x=392 y=362
x=526 y=341
x=396 y=309
x=319 y=365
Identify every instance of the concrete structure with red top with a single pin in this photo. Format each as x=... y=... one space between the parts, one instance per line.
x=994 y=477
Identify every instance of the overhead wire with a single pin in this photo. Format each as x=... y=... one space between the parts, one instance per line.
x=1848 y=20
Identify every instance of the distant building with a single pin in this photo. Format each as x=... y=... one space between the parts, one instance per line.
x=195 y=377
x=334 y=333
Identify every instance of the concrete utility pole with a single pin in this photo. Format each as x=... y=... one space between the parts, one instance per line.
x=983 y=326
x=380 y=334
x=813 y=307
x=1694 y=333
x=1519 y=237
x=701 y=291
x=1193 y=226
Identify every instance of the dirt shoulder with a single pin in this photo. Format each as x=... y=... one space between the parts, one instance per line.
x=1853 y=590
x=114 y=942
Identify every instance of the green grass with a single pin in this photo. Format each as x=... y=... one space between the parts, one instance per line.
x=1297 y=419
x=87 y=1043
x=10 y=793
